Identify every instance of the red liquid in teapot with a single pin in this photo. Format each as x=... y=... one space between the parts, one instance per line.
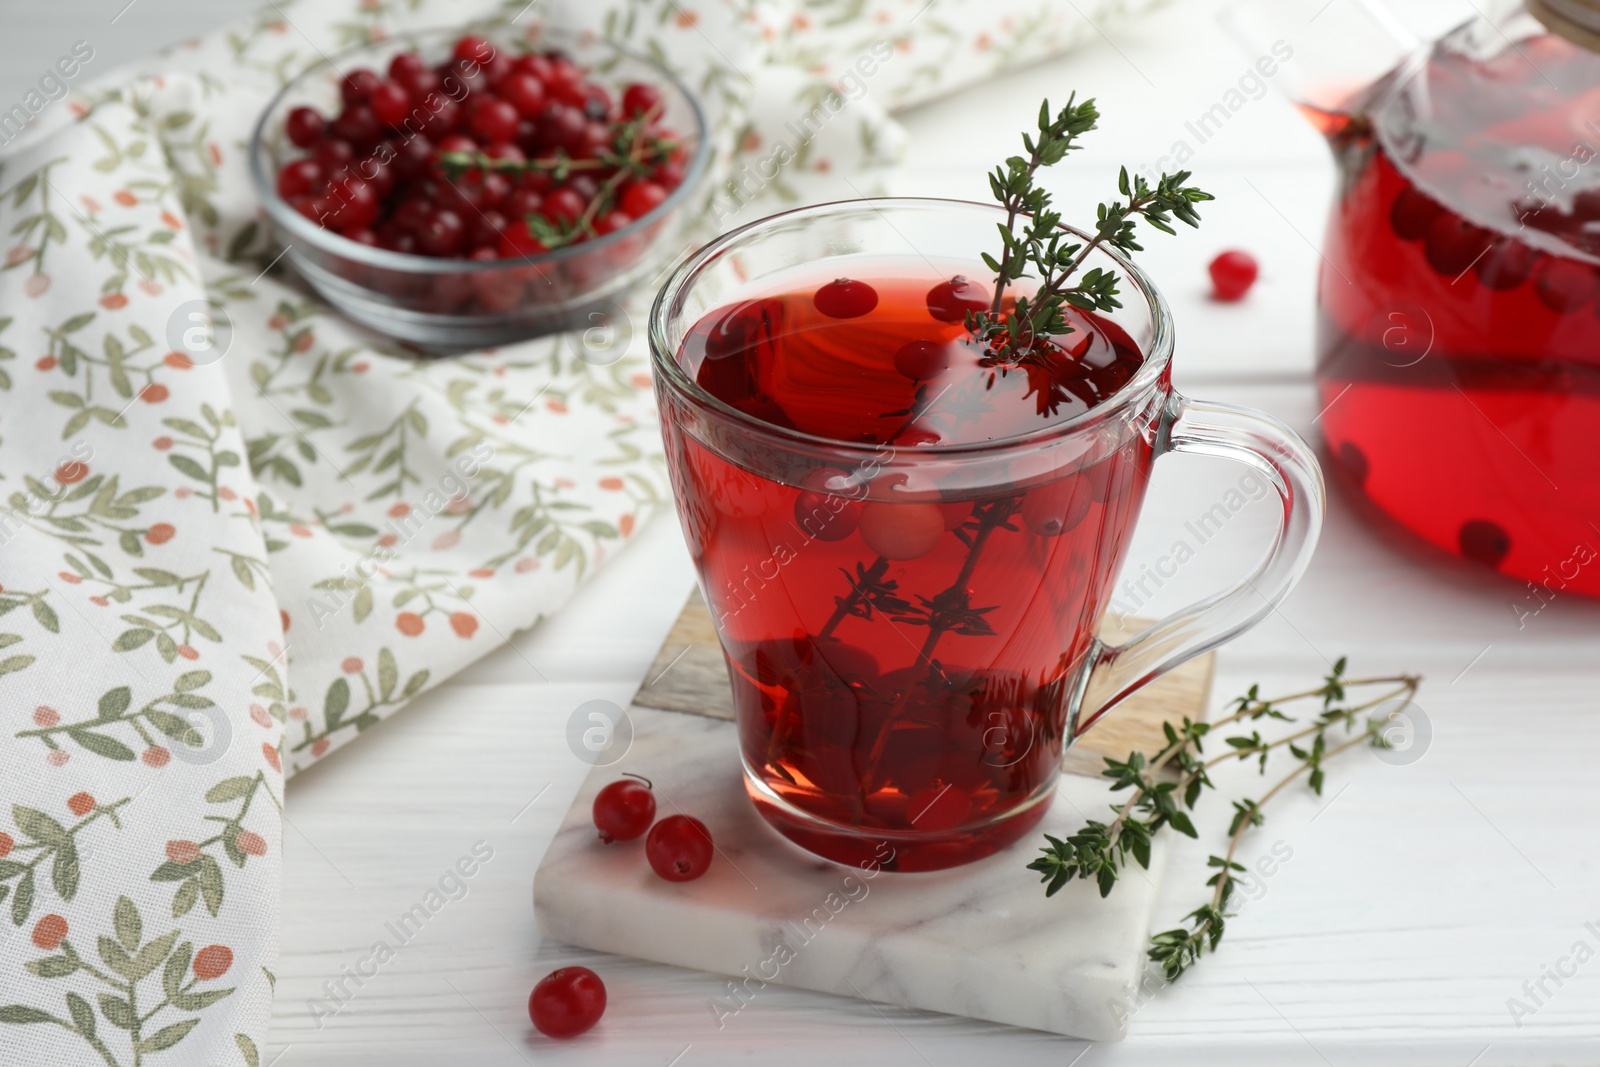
x=901 y=665
x=1459 y=333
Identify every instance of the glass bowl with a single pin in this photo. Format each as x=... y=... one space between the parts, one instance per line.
x=452 y=305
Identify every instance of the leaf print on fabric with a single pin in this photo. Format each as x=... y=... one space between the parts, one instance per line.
x=337 y=703
x=117 y=723
x=198 y=875
x=120 y=983
x=86 y=511
x=42 y=226
x=45 y=848
x=194 y=451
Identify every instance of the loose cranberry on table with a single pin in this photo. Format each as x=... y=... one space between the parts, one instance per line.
x=537 y=156
x=679 y=848
x=1232 y=275
x=624 y=810
x=567 y=1001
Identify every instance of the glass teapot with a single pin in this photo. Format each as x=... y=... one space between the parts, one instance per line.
x=1458 y=323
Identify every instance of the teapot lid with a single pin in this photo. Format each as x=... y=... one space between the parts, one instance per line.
x=1576 y=20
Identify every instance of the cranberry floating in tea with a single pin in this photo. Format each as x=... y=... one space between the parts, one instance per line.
x=908 y=457
x=1458 y=340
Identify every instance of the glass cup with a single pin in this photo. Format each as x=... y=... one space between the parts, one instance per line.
x=911 y=630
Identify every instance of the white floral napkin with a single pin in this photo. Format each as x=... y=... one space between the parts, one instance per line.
x=211 y=576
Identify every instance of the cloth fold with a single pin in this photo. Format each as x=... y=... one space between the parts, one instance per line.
x=213 y=575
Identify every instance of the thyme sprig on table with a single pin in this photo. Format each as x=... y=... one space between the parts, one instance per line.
x=1168 y=784
x=1040 y=248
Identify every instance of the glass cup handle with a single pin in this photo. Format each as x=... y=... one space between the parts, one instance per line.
x=1266 y=445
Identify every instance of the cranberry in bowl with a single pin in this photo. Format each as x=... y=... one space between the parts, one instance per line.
x=456 y=189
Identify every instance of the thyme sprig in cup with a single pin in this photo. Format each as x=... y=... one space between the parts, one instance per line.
x=1017 y=334
x=1169 y=783
x=871 y=391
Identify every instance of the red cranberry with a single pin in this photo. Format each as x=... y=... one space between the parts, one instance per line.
x=405 y=67
x=390 y=103
x=456 y=142
x=422 y=85
x=596 y=140
x=486 y=230
x=464 y=78
x=496 y=188
x=563 y=205
x=1454 y=244
x=1057 y=507
x=538 y=181
x=298 y=177
x=896 y=530
x=494 y=120
x=1232 y=275
x=640 y=99
x=412 y=156
x=824 y=515
x=524 y=92
x=358 y=125
x=565 y=80
x=533 y=63
x=441 y=122
x=332 y=153
x=304 y=125
x=624 y=809
x=473 y=48
x=1564 y=285
x=844 y=298
x=504 y=150
x=950 y=301
x=522 y=203
x=561 y=127
x=669 y=175
x=585 y=186
x=921 y=360
x=1484 y=541
x=398 y=241
x=355 y=205
x=496 y=68
x=362 y=237
x=679 y=848
x=357 y=86
x=441 y=234
x=611 y=222
x=517 y=242
x=1506 y=265
x=411 y=214
x=381 y=176
x=640 y=198
x=567 y=1001
x=1412 y=214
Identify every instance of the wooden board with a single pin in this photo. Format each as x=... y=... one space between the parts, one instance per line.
x=690 y=675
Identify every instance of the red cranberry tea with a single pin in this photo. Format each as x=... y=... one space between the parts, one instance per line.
x=901 y=649
x=1459 y=344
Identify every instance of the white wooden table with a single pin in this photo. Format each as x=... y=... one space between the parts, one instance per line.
x=1418 y=899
